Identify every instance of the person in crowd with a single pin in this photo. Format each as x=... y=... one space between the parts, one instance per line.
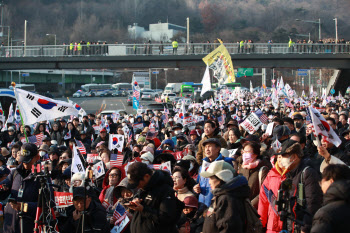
x=254 y=169
x=227 y=210
x=333 y=215
x=95 y=219
x=182 y=183
x=112 y=179
x=156 y=209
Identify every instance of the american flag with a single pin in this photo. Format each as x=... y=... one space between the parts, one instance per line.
x=136 y=91
x=263 y=118
x=166 y=117
x=80 y=147
x=119 y=214
x=116 y=159
x=36 y=139
x=221 y=120
x=288 y=103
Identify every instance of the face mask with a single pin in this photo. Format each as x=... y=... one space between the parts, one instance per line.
x=177 y=132
x=298 y=125
x=42 y=153
x=132 y=120
x=247 y=157
x=285 y=162
x=256 y=109
x=123 y=124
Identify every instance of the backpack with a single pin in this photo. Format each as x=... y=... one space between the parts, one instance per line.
x=253 y=223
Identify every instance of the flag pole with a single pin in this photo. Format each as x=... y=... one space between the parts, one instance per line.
x=13 y=84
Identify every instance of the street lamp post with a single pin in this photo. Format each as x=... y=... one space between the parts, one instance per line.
x=312 y=21
x=55 y=41
x=25 y=37
x=336 y=30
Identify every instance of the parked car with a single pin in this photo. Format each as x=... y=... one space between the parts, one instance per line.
x=102 y=93
x=171 y=96
x=158 y=106
x=148 y=94
x=79 y=94
x=129 y=100
x=117 y=93
x=187 y=102
x=109 y=113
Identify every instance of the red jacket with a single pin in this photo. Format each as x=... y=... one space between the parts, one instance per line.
x=105 y=184
x=268 y=217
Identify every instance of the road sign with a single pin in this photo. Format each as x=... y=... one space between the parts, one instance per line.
x=245 y=72
x=319 y=81
x=25 y=75
x=155 y=72
x=332 y=91
x=303 y=70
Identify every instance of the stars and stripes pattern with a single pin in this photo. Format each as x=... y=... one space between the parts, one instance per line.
x=288 y=103
x=36 y=139
x=263 y=118
x=116 y=159
x=81 y=147
x=136 y=92
x=119 y=214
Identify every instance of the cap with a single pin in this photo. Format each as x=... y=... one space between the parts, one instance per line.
x=29 y=151
x=82 y=132
x=46 y=138
x=298 y=117
x=44 y=147
x=212 y=140
x=63 y=120
x=148 y=156
x=150 y=135
x=136 y=172
x=11 y=128
x=285 y=146
x=279 y=131
x=224 y=171
x=194 y=132
x=224 y=152
x=250 y=138
x=191 y=201
x=4 y=151
x=103 y=130
x=184 y=164
x=79 y=192
x=181 y=135
x=53 y=150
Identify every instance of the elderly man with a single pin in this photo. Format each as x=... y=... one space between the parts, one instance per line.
x=212 y=147
x=210 y=131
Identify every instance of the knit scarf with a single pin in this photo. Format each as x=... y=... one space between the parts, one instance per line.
x=251 y=165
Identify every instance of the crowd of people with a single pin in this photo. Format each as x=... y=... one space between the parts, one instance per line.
x=187 y=171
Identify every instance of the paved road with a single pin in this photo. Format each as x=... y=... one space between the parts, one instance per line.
x=93 y=104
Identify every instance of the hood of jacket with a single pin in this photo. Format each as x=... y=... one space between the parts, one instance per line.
x=105 y=183
x=338 y=191
x=237 y=187
x=159 y=178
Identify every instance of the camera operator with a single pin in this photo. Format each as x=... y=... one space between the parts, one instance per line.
x=302 y=210
x=23 y=188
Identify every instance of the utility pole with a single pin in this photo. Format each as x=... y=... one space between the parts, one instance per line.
x=25 y=37
x=336 y=30
x=63 y=83
x=188 y=30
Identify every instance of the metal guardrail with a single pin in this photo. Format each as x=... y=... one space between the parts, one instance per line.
x=167 y=49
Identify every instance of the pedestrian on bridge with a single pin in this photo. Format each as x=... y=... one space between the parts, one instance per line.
x=175 y=45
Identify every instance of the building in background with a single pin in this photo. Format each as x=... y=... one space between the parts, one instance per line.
x=157 y=32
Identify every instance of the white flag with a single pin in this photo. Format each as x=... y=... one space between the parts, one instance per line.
x=251 y=87
x=99 y=170
x=10 y=118
x=206 y=81
x=77 y=165
x=321 y=127
x=35 y=108
x=116 y=141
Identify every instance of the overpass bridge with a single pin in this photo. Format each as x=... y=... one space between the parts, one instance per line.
x=116 y=56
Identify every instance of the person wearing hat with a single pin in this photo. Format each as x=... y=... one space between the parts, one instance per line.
x=85 y=140
x=212 y=147
x=9 y=136
x=147 y=158
x=47 y=140
x=4 y=152
x=95 y=219
x=291 y=158
x=43 y=151
x=191 y=214
x=227 y=210
x=210 y=131
x=280 y=133
x=102 y=137
x=181 y=141
x=195 y=137
x=23 y=188
x=299 y=124
x=156 y=209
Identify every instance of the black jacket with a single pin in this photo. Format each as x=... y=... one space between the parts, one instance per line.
x=227 y=211
x=95 y=220
x=312 y=193
x=161 y=210
x=335 y=213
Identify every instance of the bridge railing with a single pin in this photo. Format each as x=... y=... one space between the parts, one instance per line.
x=167 y=49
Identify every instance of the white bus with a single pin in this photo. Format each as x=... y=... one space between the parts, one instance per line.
x=122 y=87
x=96 y=87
